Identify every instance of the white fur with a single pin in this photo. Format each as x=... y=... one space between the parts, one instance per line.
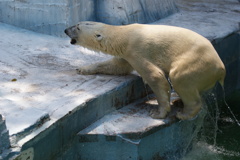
x=155 y=52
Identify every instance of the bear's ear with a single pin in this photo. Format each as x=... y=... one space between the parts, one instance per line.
x=98 y=37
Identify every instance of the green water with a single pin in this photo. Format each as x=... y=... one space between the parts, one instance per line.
x=227 y=145
x=222 y=143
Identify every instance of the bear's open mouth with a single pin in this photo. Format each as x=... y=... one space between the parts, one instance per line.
x=73 y=41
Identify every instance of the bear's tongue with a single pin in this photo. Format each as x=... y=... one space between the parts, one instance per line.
x=73 y=41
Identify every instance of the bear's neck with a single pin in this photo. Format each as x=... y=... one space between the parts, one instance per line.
x=115 y=43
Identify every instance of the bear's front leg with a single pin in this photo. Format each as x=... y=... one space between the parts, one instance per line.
x=115 y=66
x=88 y=70
x=156 y=79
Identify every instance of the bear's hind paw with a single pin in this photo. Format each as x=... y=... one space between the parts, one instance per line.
x=183 y=116
x=156 y=114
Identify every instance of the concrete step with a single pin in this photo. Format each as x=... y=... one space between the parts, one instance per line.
x=130 y=133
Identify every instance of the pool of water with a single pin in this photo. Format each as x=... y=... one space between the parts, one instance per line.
x=221 y=143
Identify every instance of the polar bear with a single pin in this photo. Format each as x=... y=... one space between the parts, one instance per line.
x=156 y=52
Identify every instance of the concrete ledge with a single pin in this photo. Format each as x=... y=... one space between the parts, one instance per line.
x=62 y=133
x=4 y=136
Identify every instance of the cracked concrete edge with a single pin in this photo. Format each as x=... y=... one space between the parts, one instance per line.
x=4 y=136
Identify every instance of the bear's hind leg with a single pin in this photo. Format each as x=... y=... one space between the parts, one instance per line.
x=191 y=101
x=114 y=66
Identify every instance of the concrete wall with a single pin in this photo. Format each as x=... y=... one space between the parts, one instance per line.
x=122 y=12
x=48 y=17
x=4 y=137
x=229 y=51
x=52 y=17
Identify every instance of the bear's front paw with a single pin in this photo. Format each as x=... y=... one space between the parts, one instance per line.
x=84 y=71
x=80 y=71
x=156 y=114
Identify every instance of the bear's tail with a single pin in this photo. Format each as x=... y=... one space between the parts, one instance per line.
x=221 y=81
x=222 y=73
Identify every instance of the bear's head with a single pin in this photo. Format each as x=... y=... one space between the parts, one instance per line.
x=86 y=34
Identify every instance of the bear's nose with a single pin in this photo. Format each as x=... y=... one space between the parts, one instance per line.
x=65 y=31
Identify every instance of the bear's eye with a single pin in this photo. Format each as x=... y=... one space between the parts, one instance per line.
x=99 y=37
